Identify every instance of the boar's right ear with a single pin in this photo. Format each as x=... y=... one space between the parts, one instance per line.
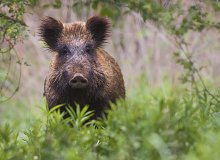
x=99 y=28
x=50 y=30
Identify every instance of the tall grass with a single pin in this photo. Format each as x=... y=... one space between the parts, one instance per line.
x=165 y=123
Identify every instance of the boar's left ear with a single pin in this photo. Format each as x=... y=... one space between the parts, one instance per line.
x=50 y=30
x=99 y=28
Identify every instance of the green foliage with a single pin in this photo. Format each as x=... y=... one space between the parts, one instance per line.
x=215 y=4
x=11 y=23
x=172 y=15
x=160 y=123
x=13 y=30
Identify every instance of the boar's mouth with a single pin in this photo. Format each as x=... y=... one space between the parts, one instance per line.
x=79 y=96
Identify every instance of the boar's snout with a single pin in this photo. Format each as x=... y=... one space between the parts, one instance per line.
x=78 y=81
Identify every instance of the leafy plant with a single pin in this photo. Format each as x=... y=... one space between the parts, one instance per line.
x=12 y=32
x=153 y=123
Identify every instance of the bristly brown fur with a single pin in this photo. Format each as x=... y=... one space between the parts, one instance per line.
x=74 y=33
x=50 y=31
x=99 y=28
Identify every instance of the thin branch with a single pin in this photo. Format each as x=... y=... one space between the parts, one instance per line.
x=7 y=74
x=12 y=19
x=19 y=80
x=195 y=69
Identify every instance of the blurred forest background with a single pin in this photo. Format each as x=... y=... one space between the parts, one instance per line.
x=156 y=43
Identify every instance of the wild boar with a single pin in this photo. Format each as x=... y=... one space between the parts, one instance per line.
x=81 y=71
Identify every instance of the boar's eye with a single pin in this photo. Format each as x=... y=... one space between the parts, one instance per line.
x=64 y=50
x=88 y=48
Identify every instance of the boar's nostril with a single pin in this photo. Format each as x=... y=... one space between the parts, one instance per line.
x=83 y=81
x=73 y=81
x=78 y=81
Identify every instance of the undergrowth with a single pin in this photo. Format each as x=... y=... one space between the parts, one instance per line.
x=165 y=123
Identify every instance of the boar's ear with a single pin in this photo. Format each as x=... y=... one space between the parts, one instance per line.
x=99 y=28
x=50 y=30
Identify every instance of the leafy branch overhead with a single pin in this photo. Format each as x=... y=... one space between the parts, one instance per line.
x=173 y=15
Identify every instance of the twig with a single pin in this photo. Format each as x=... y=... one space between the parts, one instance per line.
x=12 y=19
x=195 y=69
x=6 y=77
